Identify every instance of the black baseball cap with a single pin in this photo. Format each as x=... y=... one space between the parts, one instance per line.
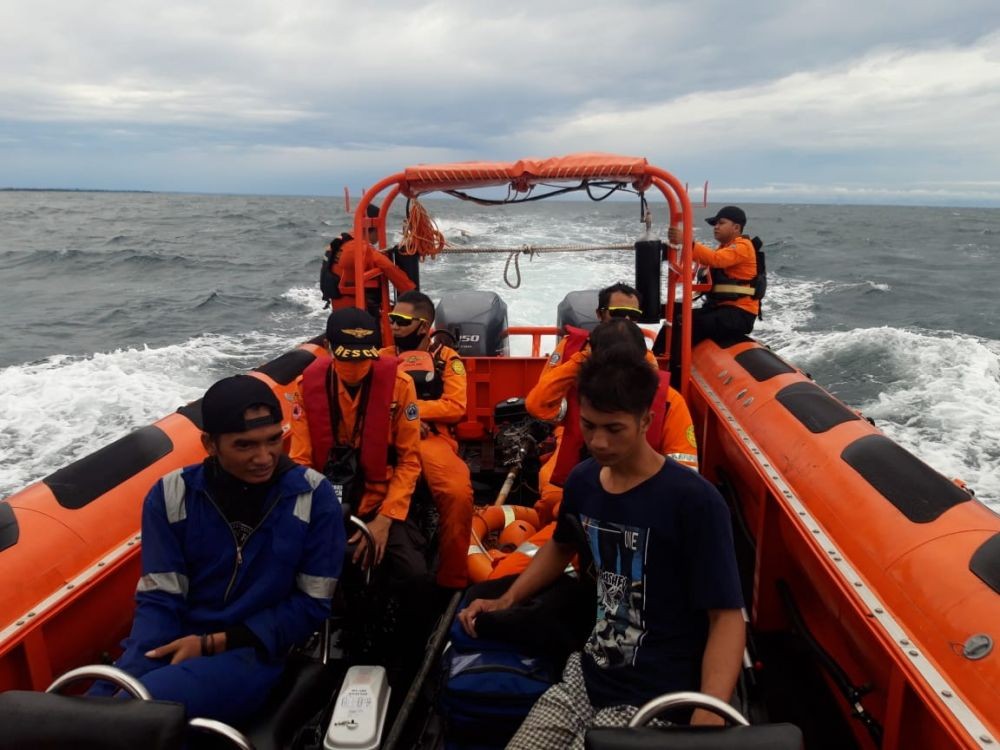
x=353 y=334
x=224 y=405
x=734 y=214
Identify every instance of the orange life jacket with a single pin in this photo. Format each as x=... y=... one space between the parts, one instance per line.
x=316 y=394
x=571 y=445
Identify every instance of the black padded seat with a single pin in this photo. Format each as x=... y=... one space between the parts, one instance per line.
x=758 y=737
x=303 y=690
x=43 y=721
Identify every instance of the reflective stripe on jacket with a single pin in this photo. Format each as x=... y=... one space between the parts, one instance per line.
x=196 y=580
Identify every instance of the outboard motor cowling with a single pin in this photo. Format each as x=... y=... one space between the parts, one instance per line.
x=477 y=320
x=578 y=309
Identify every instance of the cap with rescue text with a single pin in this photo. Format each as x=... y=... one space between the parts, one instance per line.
x=353 y=334
x=734 y=214
x=224 y=406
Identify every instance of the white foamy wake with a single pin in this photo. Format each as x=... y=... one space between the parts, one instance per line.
x=62 y=408
x=943 y=401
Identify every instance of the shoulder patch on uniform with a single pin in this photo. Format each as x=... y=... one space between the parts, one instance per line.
x=555 y=358
x=411 y=412
x=457 y=367
x=296 y=411
x=689 y=434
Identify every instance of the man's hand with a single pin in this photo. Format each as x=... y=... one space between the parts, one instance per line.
x=467 y=617
x=379 y=529
x=182 y=649
x=675 y=235
x=703 y=718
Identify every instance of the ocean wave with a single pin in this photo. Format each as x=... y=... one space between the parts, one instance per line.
x=58 y=410
x=936 y=394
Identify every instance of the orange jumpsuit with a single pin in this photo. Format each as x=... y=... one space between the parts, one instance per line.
x=446 y=473
x=677 y=441
x=739 y=261
x=390 y=498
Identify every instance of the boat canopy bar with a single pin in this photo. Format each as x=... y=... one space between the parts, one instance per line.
x=525 y=173
x=522 y=176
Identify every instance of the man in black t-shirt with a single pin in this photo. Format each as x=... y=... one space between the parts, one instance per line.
x=668 y=598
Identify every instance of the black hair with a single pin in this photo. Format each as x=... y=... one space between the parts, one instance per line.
x=422 y=304
x=618 y=378
x=620 y=331
x=604 y=296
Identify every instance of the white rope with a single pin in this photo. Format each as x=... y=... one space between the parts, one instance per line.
x=514 y=254
x=533 y=249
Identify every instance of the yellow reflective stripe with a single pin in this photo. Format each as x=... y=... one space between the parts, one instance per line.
x=318 y=587
x=733 y=289
x=168 y=583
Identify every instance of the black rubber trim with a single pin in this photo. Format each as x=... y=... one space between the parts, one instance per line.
x=193 y=412
x=985 y=562
x=728 y=342
x=9 y=531
x=762 y=364
x=814 y=407
x=85 y=480
x=288 y=366
x=919 y=492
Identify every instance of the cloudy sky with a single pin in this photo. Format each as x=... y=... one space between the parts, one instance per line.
x=806 y=100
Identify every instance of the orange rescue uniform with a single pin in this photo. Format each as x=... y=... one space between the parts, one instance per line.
x=739 y=261
x=677 y=441
x=390 y=498
x=447 y=475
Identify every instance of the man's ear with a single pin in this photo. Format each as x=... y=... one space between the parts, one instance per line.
x=208 y=443
x=645 y=421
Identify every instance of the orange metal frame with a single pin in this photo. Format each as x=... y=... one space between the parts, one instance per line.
x=521 y=176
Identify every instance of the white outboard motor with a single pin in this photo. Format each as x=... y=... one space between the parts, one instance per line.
x=477 y=320
x=359 y=714
x=578 y=309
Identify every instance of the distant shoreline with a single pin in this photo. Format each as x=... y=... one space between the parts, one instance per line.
x=68 y=190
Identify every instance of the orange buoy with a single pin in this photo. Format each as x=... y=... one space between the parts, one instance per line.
x=514 y=524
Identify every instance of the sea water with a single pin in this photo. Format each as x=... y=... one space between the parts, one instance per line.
x=118 y=307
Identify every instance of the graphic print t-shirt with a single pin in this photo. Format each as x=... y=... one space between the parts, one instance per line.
x=663 y=553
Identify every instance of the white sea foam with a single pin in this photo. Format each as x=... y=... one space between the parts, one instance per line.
x=942 y=401
x=62 y=408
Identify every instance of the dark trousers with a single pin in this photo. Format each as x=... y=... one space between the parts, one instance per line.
x=721 y=323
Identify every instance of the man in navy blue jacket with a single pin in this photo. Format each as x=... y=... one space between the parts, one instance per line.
x=240 y=558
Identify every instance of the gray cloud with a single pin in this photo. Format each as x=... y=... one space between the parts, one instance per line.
x=246 y=96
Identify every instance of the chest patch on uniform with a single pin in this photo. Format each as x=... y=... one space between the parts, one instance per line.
x=457 y=367
x=411 y=412
x=296 y=411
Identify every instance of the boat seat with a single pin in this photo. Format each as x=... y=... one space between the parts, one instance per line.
x=758 y=737
x=45 y=720
x=303 y=690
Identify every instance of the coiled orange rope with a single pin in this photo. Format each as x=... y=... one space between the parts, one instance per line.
x=420 y=233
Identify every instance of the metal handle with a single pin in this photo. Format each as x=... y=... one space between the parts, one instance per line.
x=124 y=680
x=370 y=551
x=211 y=726
x=686 y=700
